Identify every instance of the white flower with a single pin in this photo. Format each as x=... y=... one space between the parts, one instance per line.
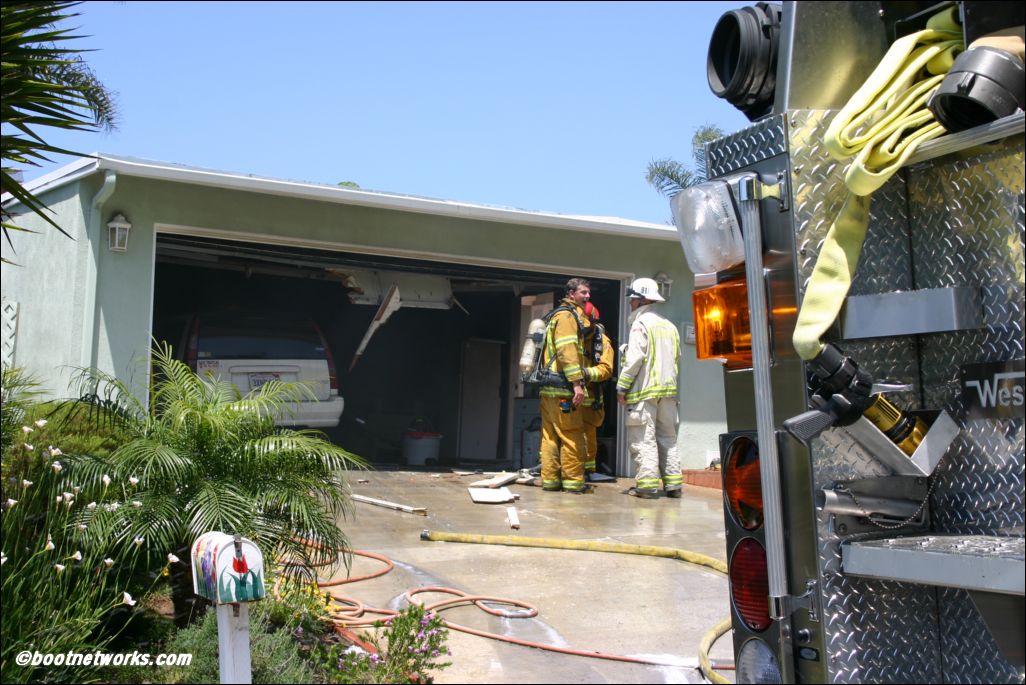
x=91 y=506
x=55 y=451
x=138 y=541
x=26 y=429
x=29 y=447
x=3 y=558
x=113 y=506
x=59 y=500
x=77 y=556
x=77 y=489
x=68 y=503
x=136 y=503
x=49 y=543
x=59 y=567
x=127 y=599
x=11 y=502
x=172 y=559
x=68 y=496
x=82 y=527
x=57 y=467
x=41 y=422
x=106 y=480
x=108 y=562
x=133 y=480
x=26 y=483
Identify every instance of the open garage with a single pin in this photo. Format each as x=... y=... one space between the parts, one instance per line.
x=443 y=363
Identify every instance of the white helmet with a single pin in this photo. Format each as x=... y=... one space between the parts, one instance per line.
x=646 y=288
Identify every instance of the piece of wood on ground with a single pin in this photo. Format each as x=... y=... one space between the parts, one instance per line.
x=496 y=481
x=511 y=516
x=419 y=511
x=491 y=496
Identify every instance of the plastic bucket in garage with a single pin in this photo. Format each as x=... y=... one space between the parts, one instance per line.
x=420 y=446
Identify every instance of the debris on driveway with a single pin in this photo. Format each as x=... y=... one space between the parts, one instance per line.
x=419 y=511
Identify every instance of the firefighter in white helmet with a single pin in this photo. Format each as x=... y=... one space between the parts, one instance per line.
x=647 y=387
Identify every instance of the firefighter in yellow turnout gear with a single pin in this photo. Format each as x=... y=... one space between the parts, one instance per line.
x=601 y=358
x=647 y=387
x=563 y=447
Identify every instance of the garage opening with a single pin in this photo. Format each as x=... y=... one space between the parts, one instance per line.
x=430 y=380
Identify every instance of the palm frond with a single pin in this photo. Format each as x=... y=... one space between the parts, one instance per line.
x=217 y=505
x=152 y=460
x=669 y=177
x=46 y=84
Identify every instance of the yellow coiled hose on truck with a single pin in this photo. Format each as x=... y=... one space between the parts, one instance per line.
x=881 y=126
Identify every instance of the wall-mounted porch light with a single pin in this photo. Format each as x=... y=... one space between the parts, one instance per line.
x=664 y=282
x=118 y=229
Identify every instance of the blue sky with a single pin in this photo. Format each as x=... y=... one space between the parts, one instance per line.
x=545 y=106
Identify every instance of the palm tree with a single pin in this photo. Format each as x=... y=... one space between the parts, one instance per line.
x=669 y=176
x=45 y=84
x=209 y=459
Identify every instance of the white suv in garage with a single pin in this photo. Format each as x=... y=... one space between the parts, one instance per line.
x=250 y=350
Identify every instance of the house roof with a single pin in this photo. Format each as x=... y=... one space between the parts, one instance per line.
x=180 y=173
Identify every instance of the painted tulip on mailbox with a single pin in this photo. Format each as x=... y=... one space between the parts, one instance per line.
x=227 y=569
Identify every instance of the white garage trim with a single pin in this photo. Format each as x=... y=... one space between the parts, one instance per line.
x=335 y=246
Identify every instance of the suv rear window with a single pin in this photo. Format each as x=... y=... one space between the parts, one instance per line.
x=259 y=340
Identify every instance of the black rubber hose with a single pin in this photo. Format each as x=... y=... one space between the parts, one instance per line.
x=742 y=61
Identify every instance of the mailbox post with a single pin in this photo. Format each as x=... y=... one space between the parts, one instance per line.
x=228 y=570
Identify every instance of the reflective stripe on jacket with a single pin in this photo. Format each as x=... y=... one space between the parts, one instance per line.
x=564 y=342
x=653 y=355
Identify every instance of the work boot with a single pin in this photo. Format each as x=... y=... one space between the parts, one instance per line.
x=643 y=493
x=675 y=494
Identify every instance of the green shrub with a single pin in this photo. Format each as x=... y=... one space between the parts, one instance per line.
x=414 y=645
x=69 y=572
x=277 y=655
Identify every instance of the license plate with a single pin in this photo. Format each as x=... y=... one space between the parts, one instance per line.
x=257 y=380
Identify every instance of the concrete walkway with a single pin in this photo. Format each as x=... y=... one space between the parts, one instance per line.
x=612 y=603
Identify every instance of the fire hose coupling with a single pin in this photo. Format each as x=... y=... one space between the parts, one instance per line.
x=842 y=394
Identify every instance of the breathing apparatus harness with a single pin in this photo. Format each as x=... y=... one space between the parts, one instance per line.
x=544 y=374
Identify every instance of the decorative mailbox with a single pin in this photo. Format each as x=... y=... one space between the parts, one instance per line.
x=227 y=569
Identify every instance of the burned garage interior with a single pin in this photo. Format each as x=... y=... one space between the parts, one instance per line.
x=421 y=350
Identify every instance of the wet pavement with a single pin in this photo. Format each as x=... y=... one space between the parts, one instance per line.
x=619 y=604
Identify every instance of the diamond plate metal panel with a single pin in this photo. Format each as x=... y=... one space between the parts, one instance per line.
x=875 y=631
x=955 y=222
x=970 y=232
x=749 y=146
x=970 y=653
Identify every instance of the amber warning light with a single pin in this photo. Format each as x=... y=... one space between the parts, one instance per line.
x=722 y=328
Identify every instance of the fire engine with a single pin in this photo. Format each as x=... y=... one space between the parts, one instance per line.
x=873 y=487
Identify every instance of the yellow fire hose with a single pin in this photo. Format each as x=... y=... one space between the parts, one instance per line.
x=615 y=547
x=882 y=124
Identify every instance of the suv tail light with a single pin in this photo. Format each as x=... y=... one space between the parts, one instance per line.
x=332 y=375
x=192 y=344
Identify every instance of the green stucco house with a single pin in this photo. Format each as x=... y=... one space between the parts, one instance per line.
x=471 y=277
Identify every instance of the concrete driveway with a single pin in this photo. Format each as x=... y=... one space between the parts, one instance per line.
x=638 y=606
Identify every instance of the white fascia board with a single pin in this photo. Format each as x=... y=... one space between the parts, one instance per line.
x=311 y=191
